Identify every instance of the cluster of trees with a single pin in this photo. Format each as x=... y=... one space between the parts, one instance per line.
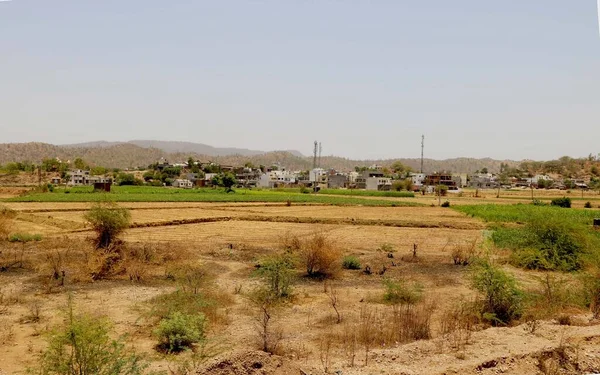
x=165 y=176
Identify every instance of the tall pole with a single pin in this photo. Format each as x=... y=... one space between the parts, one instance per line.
x=315 y=156
x=320 y=149
x=422 y=147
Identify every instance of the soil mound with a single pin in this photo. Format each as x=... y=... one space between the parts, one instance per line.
x=249 y=363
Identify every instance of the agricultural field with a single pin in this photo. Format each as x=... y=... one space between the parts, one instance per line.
x=341 y=284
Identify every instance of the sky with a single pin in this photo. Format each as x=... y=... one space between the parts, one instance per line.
x=507 y=79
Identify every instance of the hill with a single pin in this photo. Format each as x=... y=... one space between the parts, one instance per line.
x=178 y=147
x=130 y=155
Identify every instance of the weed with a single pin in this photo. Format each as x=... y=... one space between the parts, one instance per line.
x=278 y=272
x=587 y=205
x=351 y=262
x=398 y=292
x=561 y=202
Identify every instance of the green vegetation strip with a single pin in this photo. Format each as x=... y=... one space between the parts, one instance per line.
x=548 y=237
x=161 y=194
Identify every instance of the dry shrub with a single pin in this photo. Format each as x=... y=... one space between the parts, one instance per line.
x=458 y=322
x=553 y=297
x=12 y=256
x=6 y=220
x=6 y=331
x=393 y=325
x=319 y=254
x=464 y=253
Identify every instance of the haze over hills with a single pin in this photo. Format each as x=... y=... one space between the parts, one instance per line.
x=132 y=155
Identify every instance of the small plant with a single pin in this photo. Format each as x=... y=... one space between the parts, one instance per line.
x=398 y=292
x=561 y=202
x=446 y=204
x=386 y=248
x=537 y=202
x=587 y=205
x=180 y=331
x=351 y=263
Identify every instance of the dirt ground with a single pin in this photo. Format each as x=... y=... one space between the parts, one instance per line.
x=230 y=238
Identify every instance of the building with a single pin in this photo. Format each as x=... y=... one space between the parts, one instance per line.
x=361 y=180
x=337 y=181
x=318 y=176
x=378 y=183
x=439 y=179
x=273 y=179
x=483 y=181
x=80 y=177
x=418 y=180
x=182 y=183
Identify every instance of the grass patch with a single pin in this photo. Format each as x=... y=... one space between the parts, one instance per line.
x=162 y=194
x=24 y=237
x=368 y=193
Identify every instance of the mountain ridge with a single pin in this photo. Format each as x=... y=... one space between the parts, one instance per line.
x=128 y=155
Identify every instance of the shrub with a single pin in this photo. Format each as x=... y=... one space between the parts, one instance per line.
x=84 y=346
x=108 y=220
x=446 y=204
x=304 y=190
x=278 y=273
x=180 y=331
x=587 y=205
x=397 y=292
x=537 y=202
x=320 y=256
x=502 y=300
x=351 y=263
x=561 y=202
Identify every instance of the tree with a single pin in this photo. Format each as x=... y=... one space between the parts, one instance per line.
x=228 y=181
x=78 y=163
x=108 y=220
x=484 y=170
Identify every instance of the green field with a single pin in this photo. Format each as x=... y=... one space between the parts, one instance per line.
x=161 y=194
x=368 y=193
x=523 y=213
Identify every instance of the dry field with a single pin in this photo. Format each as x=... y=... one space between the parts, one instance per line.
x=229 y=239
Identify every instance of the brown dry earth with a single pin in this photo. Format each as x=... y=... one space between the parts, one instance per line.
x=252 y=230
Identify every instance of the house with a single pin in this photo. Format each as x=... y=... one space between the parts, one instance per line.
x=337 y=181
x=182 y=183
x=273 y=179
x=79 y=177
x=483 y=181
x=361 y=180
x=378 y=183
x=439 y=179
x=318 y=176
x=417 y=179
x=55 y=180
x=246 y=176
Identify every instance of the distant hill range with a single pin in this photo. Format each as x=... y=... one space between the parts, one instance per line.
x=142 y=153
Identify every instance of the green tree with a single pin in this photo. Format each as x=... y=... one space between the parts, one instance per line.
x=228 y=181
x=78 y=163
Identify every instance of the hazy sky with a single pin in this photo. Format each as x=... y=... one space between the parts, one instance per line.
x=499 y=78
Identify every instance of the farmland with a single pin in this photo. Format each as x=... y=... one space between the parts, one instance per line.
x=397 y=242
x=160 y=194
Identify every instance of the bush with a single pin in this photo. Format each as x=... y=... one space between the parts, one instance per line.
x=502 y=300
x=320 y=256
x=278 y=273
x=561 y=202
x=351 y=263
x=397 y=292
x=180 y=331
x=108 y=220
x=587 y=205
x=304 y=190
x=84 y=346
x=446 y=204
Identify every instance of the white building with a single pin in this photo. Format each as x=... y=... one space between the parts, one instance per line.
x=418 y=178
x=183 y=183
x=277 y=178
